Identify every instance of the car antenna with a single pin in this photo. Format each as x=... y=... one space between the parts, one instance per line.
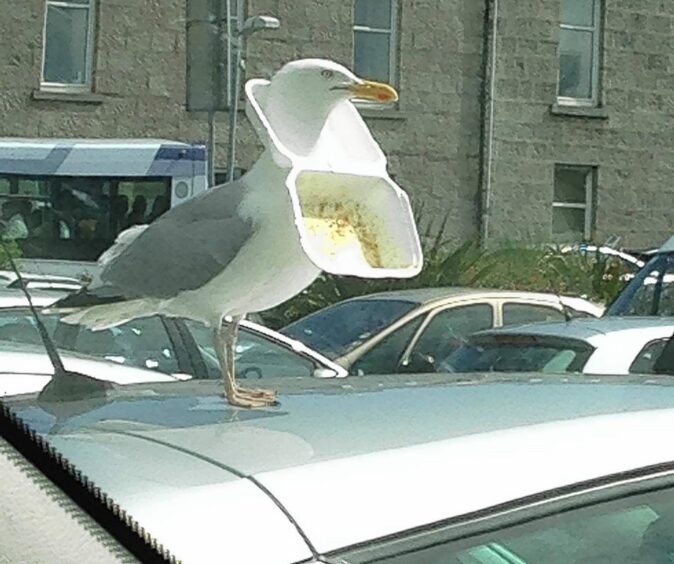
x=565 y=309
x=65 y=385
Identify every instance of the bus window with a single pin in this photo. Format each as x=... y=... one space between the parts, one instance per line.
x=77 y=218
x=32 y=187
x=145 y=199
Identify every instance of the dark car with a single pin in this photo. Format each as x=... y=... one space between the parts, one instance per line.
x=405 y=331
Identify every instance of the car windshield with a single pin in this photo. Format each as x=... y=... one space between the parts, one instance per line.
x=518 y=354
x=286 y=254
x=336 y=330
x=651 y=292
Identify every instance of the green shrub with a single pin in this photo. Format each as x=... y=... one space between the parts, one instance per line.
x=509 y=267
x=13 y=249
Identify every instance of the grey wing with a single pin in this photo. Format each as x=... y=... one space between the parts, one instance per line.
x=185 y=248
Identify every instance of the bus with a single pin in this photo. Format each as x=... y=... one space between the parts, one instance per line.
x=68 y=199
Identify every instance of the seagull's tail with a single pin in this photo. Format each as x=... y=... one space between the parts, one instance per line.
x=98 y=312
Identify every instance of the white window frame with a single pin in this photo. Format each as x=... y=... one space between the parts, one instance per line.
x=588 y=205
x=89 y=55
x=392 y=32
x=595 y=29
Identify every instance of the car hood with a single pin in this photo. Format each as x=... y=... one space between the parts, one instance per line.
x=172 y=459
x=320 y=420
x=187 y=503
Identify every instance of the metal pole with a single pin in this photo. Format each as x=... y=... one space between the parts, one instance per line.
x=229 y=33
x=211 y=149
x=234 y=100
x=233 y=110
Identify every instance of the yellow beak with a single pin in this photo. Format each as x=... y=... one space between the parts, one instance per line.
x=374 y=91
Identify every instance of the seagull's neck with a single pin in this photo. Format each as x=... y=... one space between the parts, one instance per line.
x=297 y=125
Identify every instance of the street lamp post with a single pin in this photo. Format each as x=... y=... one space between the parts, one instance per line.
x=236 y=38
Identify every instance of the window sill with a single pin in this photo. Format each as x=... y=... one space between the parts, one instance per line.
x=578 y=111
x=385 y=113
x=80 y=97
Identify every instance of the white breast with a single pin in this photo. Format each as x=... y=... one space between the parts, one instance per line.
x=271 y=268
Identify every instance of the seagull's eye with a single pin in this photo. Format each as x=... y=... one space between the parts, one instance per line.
x=327 y=73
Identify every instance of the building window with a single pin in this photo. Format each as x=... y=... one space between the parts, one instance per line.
x=374 y=39
x=572 y=207
x=579 y=42
x=68 y=45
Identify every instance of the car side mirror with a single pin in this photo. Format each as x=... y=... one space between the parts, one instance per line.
x=324 y=373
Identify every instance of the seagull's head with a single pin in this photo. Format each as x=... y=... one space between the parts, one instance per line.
x=324 y=83
x=303 y=93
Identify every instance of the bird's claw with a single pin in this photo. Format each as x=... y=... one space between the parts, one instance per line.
x=257 y=393
x=243 y=397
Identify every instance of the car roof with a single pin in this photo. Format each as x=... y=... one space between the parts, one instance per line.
x=14 y=297
x=590 y=329
x=321 y=452
x=429 y=295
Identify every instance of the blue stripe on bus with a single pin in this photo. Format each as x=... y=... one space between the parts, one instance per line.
x=178 y=161
x=36 y=167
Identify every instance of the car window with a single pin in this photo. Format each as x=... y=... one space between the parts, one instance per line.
x=385 y=356
x=18 y=326
x=519 y=314
x=647 y=357
x=257 y=356
x=143 y=343
x=651 y=291
x=448 y=329
x=515 y=353
x=632 y=529
x=336 y=330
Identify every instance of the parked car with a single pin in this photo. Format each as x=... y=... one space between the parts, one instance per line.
x=629 y=261
x=39 y=281
x=168 y=346
x=651 y=291
x=610 y=345
x=395 y=471
x=404 y=331
x=27 y=369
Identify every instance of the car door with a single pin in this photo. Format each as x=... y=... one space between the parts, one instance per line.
x=386 y=356
x=445 y=330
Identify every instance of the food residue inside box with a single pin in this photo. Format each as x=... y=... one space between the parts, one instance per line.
x=346 y=228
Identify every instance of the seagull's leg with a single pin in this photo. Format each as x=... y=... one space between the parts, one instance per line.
x=220 y=343
x=268 y=396
x=225 y=341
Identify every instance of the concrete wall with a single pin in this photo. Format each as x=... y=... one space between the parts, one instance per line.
x=632 y=144
x=433 y=139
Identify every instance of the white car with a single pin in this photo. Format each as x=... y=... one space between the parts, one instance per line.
x=404 y=470
x=149 y=349
x=27 y=369
x=610 y=345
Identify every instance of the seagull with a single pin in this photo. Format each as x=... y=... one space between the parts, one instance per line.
x=235 y=248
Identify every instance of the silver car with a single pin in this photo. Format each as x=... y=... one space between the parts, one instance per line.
x=393 y=470
x=406 y=331
x=611 y=345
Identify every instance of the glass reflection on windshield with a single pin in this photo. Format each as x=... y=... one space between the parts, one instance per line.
x=336 y=330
